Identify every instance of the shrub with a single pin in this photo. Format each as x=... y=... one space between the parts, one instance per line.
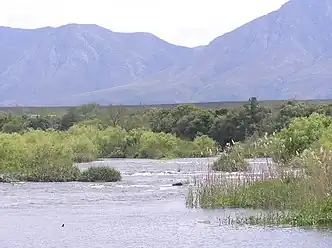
x=112 y=142
x=157 y=145
x=83 y=149
x=232 y=160
x=13 y=153
x=206 y=145
x=103 y=173
x=52 y=173
x=300 y=135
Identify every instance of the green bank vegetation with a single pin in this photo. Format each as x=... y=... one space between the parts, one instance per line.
x=297 y=187
x=45 y=146
x=38 y=155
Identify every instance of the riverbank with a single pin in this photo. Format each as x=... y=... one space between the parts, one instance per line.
x=88 y=132
x=303 y=198
x=50 y=155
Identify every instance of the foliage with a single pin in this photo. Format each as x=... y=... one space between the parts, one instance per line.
x=297 y=193
x=300 y=134
x=205 y=145
x=102 y=173
x=238 y=122
x=90 y=131
x=158 y=145
x=232 y=160
x=39 y=155
x=289 y=143
x=112 y=142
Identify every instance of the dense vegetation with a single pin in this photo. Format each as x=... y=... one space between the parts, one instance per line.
x=100 y=173
x=297 y=188
x=44 y=146
x=49 y=155
x=236 y=121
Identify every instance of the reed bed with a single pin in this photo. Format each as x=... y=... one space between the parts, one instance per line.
x=282 y=195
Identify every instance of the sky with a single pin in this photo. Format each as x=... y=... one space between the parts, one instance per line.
x=182 y=22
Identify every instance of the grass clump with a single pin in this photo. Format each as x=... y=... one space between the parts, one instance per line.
x=51 y=173
x=100 y=174
x=295 y=201
x=269 y=194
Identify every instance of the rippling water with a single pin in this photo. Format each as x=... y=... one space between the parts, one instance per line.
x=143 y=210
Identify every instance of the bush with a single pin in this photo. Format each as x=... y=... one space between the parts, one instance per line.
x=112 y=143
x=103 y=173
x=300 y=135
x=188 y=149
x=259 y=147
x=52 y=173
x=13 y=153
x=206 y=145
x=232 y=160
x=158 y=145
x=83 y=149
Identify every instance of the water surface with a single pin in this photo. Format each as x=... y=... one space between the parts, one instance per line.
x=143 y=210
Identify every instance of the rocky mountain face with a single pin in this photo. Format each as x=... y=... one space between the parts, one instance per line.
x=50 y=65
x=285 y=54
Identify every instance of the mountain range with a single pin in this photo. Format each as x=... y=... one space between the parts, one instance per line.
x=285 y=54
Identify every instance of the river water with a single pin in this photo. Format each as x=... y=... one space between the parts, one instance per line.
x=143 y=210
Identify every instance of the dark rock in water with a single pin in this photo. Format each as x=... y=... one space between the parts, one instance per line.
x=177 y=184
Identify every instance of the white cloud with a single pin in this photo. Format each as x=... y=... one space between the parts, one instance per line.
x=186 y=22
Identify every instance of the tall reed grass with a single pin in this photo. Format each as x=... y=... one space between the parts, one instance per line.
x=294 y=195
x=296 y=189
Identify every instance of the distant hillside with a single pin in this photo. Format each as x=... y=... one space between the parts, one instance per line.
x=285 y=54
x=50 y=65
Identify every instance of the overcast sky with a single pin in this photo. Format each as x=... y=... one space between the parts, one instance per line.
x=182 y=22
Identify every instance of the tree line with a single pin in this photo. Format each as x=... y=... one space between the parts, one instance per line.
x=184 y=121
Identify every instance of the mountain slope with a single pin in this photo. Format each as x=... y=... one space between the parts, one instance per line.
x=284 y=54
x=47 y=64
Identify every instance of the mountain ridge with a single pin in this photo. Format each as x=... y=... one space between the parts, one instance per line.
x=280 y=55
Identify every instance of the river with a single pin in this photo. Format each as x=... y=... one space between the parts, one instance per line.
x=143 y=210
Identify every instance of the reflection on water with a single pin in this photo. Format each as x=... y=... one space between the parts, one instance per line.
x=143 y=210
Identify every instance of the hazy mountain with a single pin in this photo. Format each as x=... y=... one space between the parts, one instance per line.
x=46 y=65
x=285 y=54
